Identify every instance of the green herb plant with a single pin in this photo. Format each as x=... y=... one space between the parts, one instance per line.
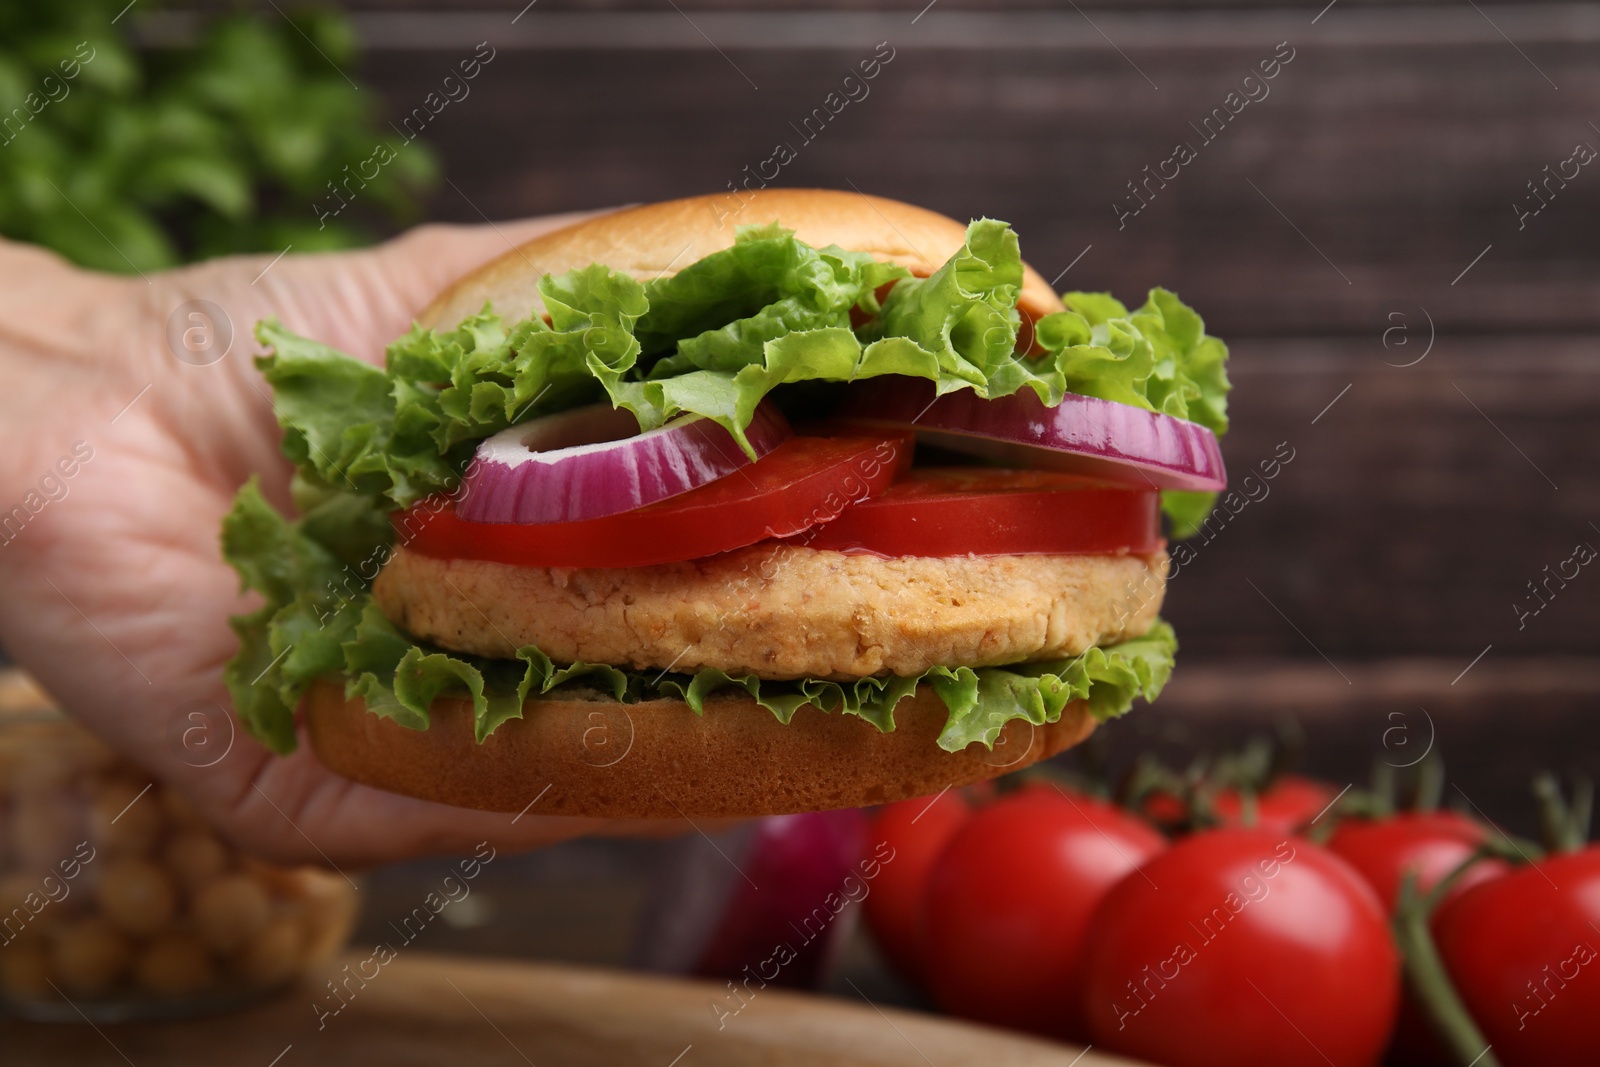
x=126 y=158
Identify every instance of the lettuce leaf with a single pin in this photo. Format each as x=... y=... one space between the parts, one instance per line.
x=713 y=340
x=299 y=632
x=313 y=626
x=1158 y=358
x=1186 y=511
x=406 y=431
x=718 y=312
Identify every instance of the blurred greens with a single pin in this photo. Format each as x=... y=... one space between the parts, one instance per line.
x=149 y=157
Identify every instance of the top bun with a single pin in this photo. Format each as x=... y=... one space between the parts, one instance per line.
x=655 y=240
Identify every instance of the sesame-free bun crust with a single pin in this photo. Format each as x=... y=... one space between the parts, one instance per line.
x=658 y=759
x=656 y=240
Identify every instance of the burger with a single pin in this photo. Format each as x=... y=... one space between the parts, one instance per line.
x=680 y=511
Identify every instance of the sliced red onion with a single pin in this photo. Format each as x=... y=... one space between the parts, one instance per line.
x=1083 y=434
x=768 y=896
x=593 y=461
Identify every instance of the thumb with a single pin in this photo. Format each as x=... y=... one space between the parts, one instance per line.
x=358 y=302
x=420 y=264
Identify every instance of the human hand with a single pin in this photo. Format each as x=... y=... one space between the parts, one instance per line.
x=113 y=592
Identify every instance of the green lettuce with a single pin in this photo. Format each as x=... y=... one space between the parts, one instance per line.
x=319 y=621
x=714 y=339
x=1186 y=511
x=1158 y=358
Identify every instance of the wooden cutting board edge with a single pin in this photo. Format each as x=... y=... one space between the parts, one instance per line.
x=423 y=1009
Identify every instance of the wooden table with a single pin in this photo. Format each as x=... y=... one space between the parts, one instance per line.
x=427 y=1010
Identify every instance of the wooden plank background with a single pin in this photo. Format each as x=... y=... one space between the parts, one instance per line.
x=1395 y=142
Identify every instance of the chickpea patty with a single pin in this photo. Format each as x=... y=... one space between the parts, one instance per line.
x=781 y=611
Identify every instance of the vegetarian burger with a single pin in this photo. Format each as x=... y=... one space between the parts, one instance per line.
x=823 y=502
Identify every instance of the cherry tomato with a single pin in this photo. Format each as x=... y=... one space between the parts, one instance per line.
x=802 y=482
x=1165 y=810
x=1008 y=905
x=951 y=511
x=1286 y=806
x=917 y=830
x=1242 y=946
x=1523 y=951
x=1430 y=844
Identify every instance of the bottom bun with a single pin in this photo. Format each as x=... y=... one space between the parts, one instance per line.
x=657 y=758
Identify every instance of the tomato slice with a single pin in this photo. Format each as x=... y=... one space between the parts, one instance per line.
x=954 y=511
x=801 y=483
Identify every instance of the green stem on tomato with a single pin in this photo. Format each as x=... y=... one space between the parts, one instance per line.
x=1430 y=784
x=1285 y=755
x=1200 y=798
x=1249 y=808
x=1382 y=797
x=1148 y=777
x=1425 y=971
x=1565 y=826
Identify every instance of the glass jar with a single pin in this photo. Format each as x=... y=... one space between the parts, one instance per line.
x=118 y=901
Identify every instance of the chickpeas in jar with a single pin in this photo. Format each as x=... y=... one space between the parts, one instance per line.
x=117 y=900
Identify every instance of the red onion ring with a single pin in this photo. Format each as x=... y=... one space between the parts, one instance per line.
x=1082 y=434
x=593 y=461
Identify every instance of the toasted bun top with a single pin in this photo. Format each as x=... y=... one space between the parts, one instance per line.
x=655 y=240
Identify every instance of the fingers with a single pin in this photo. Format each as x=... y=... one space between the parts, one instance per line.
x=296 y=811
x=422 y=263
x=356 y=302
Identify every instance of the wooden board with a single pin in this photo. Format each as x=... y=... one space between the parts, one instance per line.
x=424 y=1010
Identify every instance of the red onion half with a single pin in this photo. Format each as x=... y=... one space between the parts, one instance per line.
x=771 y=898
x=593 y=461
x=1082 y=434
